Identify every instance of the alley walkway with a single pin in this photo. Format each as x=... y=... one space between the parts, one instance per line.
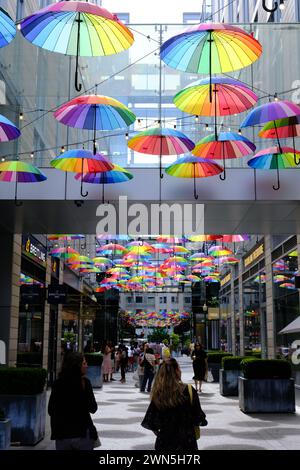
x=122 y=407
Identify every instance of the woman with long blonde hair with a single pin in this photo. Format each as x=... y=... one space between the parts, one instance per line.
x=172 y=415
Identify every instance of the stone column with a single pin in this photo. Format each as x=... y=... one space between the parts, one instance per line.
x=59 y=322
x=241 y=310
x=271 y=349
x=10 y=269
x=232 y=316
x=46 y=317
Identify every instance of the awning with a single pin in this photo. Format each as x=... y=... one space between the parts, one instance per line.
x=293 y=327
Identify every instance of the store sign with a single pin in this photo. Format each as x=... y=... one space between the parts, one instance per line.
x=34 y=250
x=57 y=294
x=213 y=313
x=259 y=251
x=225 y=280
x=32 y=295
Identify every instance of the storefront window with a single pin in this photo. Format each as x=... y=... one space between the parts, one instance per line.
x=286 y=308
x=254 y=301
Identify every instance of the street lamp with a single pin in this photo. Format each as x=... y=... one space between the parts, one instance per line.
x=272 y=10
x=204 y=310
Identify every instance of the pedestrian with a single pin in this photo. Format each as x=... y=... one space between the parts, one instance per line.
x=106 y=364
x=165 y=351
x=200 y=366
x=123 y=362
x=149 y=362
x=70 y=404
x=172 y=415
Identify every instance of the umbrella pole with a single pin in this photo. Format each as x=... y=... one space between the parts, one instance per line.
x=78 y=86
x=278 y=182
x=195 y=192
x=210 y=60
x=216 y=132
x=103 y=192
x=223 y=177
x=95 y=124
x=297 y=162
x=81 y=183
x=17 y=203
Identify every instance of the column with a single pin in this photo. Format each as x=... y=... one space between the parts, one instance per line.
x=241 y=310
x=271 y=349
x=59 y=322
x=232 y=314
x=46 y=317
x=10 y=268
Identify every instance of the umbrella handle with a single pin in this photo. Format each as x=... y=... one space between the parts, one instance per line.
x=81 y=184
x=78 y=86
x=195 y=192
x=17 y=203
x=223 y=177
x=278 y=182
x=269 y=10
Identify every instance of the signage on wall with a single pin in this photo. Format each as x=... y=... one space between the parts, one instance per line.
x=225 y=279
x=259 y=251
x=32 y=294
x=57 y=294
x=34 y=249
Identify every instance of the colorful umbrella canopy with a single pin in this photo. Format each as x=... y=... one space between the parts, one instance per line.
x=20 y=172
x=204 y=238
x=77 y=28
x=235 y=238
x=210 y=48
x=271 y=112
x=284 y=128
x=169 y=239
x=83 y=161
x=193 y=167
x=224 y=146
x=161 y=141
x=274 y=158
x=7 y=28
x=65 y=236
x=8 y=131
x=230 y=96
x=116 y=175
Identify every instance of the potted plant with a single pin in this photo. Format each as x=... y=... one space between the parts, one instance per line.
x=23 y=399
x=266 y=386
x=5 y=430
x=214 y=362
x=94 y=372
x=229 y=374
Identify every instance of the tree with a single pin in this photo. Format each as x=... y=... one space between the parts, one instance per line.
x=175 y=340
x=158 y=335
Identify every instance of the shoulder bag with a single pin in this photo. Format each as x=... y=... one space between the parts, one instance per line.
x=197 y=428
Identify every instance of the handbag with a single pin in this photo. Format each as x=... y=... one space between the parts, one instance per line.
x=210 y=377
x=196 y=428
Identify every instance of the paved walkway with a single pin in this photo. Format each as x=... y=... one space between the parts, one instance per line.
x=122 y=407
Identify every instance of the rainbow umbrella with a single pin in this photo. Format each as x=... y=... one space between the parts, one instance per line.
x=116 y=174
x=78 y=29
x=65 y=236
x=8 y=131
x=225 y=145
x=230 y=96
x=218 y=250
x=204 y=238
x=210 y=48
x=288 y=285
x=234 y=238
x=7 y=28
x=95 y=112
x=271 y=112
x=20 y=172
x=193 y=167
x=64 y=252
x=274 y=158
x=108 y=236
x=283 y=129
x=169 y=239
x=111 y=248
x=83 y=161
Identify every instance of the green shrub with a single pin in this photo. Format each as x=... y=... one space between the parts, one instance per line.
x=93 y=359
x=253 y=354
x=31 y=359
x=22 y=380
x=232 y=363
x=216 y=357
x=266 y=369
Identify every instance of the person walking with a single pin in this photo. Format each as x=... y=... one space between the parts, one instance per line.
x=106 y=364
x=172 y=414
x=123 y=361
x=149 y=362
x=71 y=402
x=200 y=366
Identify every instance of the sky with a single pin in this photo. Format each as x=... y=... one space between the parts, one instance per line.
x=161 y=11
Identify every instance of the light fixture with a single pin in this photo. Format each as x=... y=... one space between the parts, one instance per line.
x=281 y=5
x=62 y=149
x=21 y=117
x=204 y=307
x=196 y=118
x=275 y=97
x=31 y=155
x=126 y=136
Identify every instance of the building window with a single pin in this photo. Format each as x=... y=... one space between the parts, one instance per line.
x=163 y=300
x=129 y=300
x=174 y=299
x=139 y=299
x=187 y=300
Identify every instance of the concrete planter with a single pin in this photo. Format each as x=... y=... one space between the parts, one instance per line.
x=94 y=374
x=267 y=395
x=215 y=370
x=5 y=433
x=28 y=416
x=229 y=382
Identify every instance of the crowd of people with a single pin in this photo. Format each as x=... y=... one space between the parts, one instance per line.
x=173 y=404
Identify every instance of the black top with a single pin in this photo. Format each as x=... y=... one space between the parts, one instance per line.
x=199 y=364
x=174 y=427
x=69 y=408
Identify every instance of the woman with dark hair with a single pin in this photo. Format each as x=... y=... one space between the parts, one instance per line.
x=172 y=415
x=200 y=366
x=71 y=402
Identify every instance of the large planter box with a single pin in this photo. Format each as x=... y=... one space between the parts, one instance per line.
x=28 y=416
x=215 y=370
x=267 y=395
x=5 y=433
x=229 y=382
x=94 y=374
